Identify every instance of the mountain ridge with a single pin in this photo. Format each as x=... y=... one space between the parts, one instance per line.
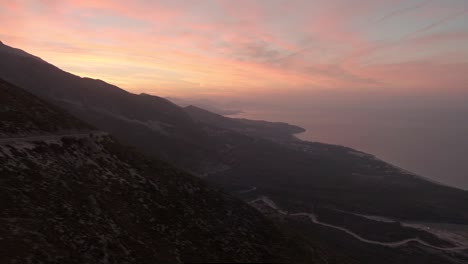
x=225 y=156
x=183 y=132
x=275 y=131
x=84 y=198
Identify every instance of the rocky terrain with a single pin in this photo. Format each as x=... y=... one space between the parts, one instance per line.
x=71 y=194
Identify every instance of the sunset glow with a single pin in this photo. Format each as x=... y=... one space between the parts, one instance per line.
x=223 y=48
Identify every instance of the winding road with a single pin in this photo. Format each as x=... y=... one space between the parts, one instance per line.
x=313 y=219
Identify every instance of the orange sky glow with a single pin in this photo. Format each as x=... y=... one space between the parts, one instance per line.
x=225 y=48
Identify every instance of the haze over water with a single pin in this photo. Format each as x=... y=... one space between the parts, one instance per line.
x=429 y=142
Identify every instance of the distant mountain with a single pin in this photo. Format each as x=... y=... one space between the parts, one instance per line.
x=72 y=194
x=276 y=131
x=212 y=106
x=255 y=159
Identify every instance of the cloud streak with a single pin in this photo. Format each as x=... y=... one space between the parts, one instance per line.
x=404 y=10
x=437 y=23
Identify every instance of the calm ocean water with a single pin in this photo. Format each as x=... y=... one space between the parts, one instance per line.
x=433 y=145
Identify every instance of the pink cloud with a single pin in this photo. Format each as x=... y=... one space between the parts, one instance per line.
x=239 y=45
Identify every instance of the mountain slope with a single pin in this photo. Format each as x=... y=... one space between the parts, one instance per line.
x=247 y=157
x=71 y=194
x=212 y=147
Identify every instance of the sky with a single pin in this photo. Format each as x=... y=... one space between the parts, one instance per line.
x=229 y=48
